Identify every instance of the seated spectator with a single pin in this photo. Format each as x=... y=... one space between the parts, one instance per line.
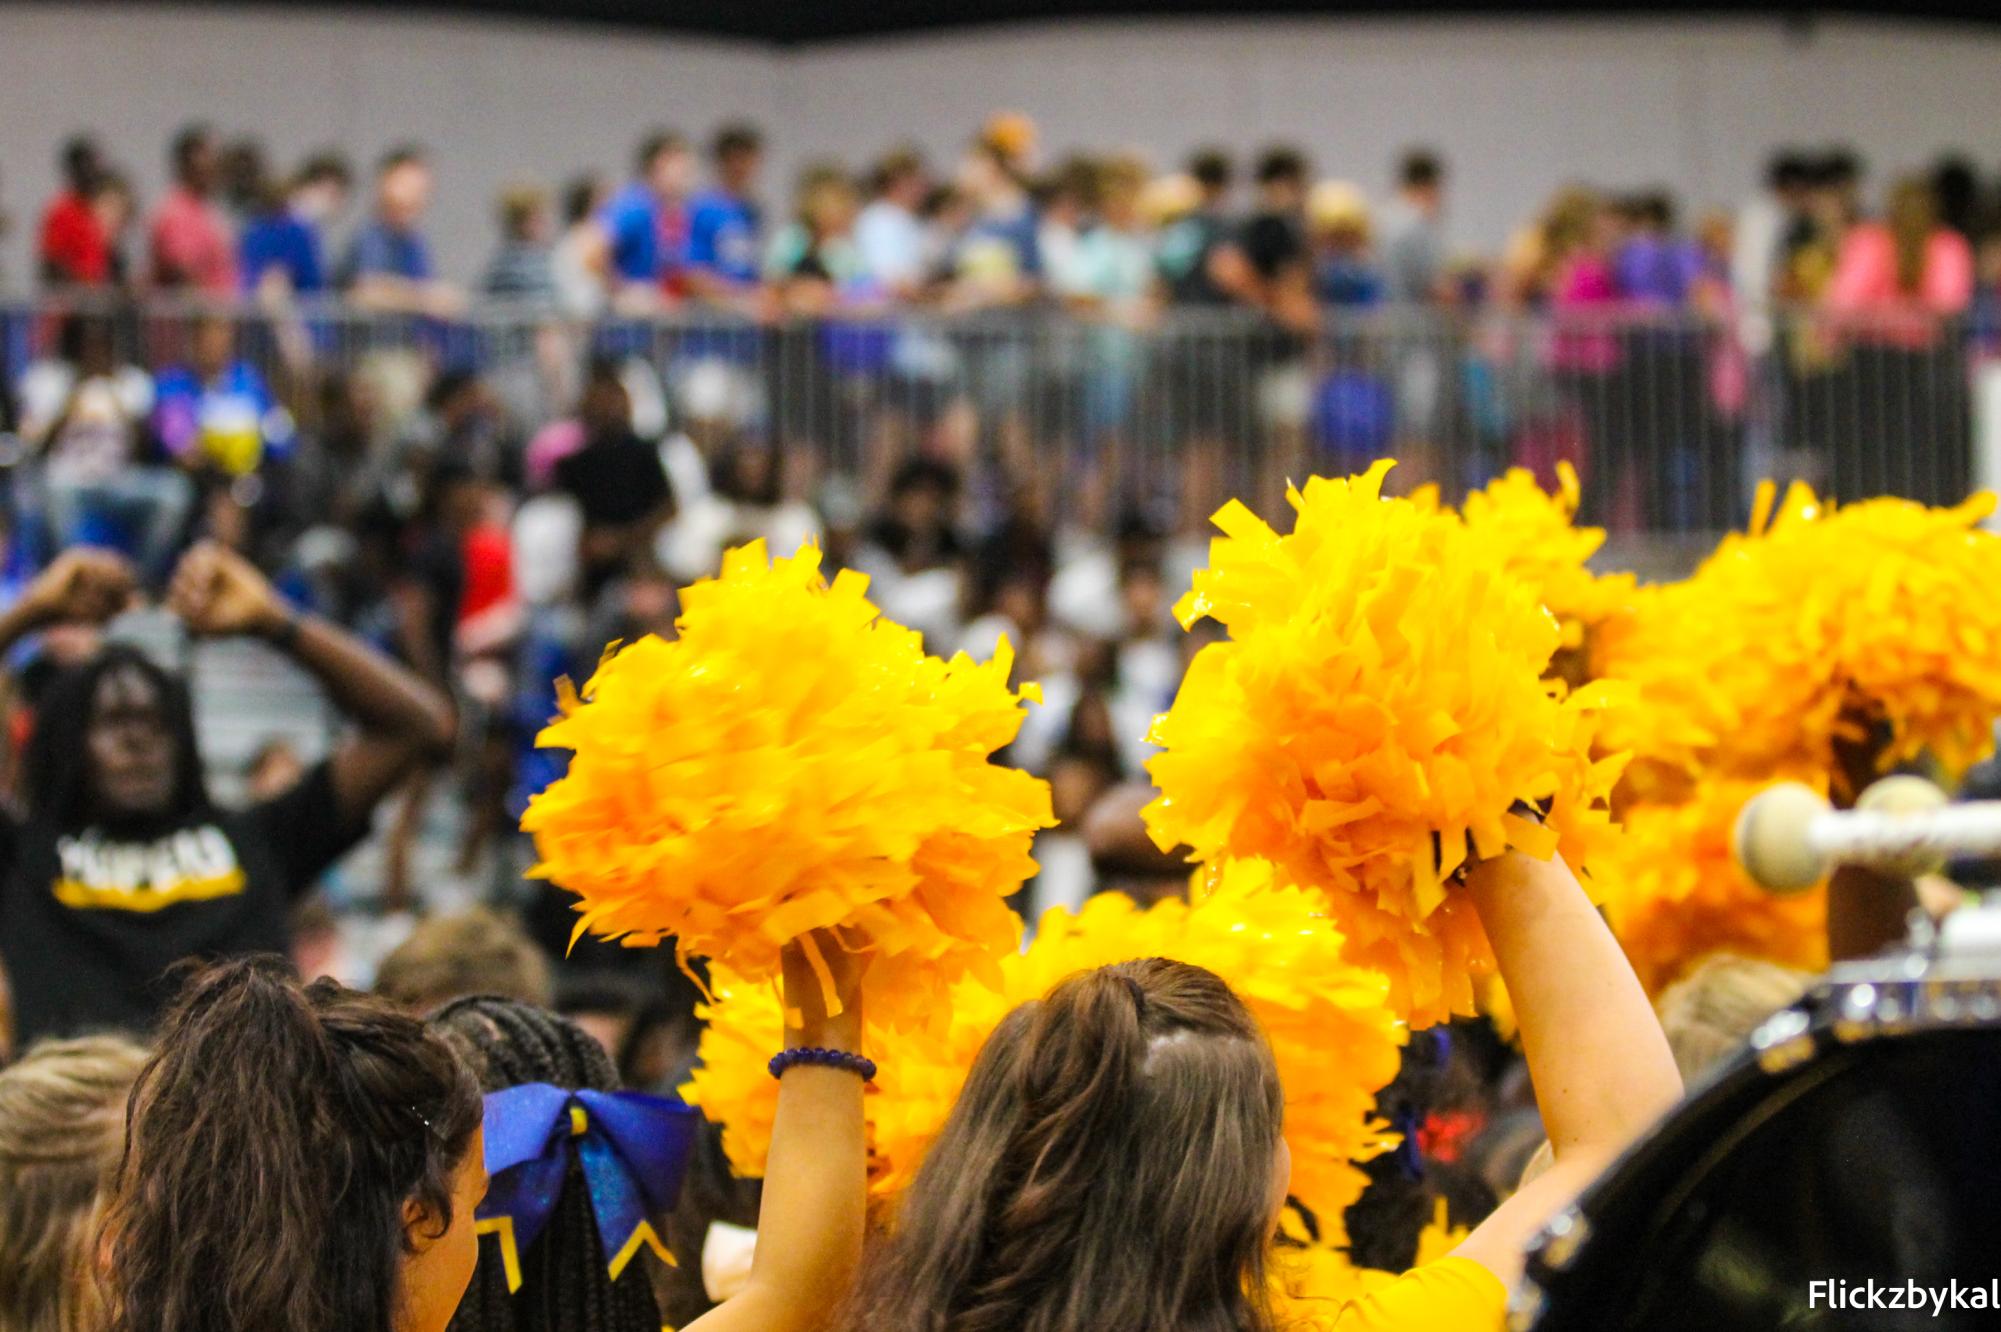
x=388 y=265
x=473 y=952
x=73 y=250
x=84 y=416
x=216 y=411
x=521 y=270
x=889 y=233
x=190 y=245
x=62 y=1127
x=914 y=555
x=746 y=501
x=283 y=247
x=616 y=479
x=1345 y=273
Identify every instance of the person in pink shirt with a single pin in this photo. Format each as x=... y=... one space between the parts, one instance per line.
x=1899 y=283
x=190 y=247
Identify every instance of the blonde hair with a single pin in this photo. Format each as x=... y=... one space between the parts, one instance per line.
x=62 y=1129
x=1714 y=1009
x=466 y=953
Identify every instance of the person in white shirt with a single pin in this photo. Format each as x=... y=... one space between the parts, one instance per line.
x=889 y=233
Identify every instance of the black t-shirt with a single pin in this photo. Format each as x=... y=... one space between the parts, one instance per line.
x=1273 y=242
x=616 y=480
x=1183 y=259
x=89 y=925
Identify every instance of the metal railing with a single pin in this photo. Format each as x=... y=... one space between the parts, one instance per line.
x=1669 y=418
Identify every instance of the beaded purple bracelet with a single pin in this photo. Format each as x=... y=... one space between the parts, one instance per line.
x=813 y=1054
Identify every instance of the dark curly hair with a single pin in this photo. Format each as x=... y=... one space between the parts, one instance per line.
x=271 y=1145
x=565 y=1285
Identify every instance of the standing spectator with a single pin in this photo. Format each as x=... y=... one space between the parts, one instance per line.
x=1190 y=242
x=1111 y=282
x=889 y=233
x=725 y=222
x=190 y=244
x=72 y=250
x=1345 y=273
x=244 y=184
x=1066 y=204
x=997 y=258
x=1279 y=278
x=522 y=269
x=1655 y=266
x=1758 y=243
x=115 y=208
x=578 y=262
x=388 y=264
x=284 y=247
x=83 y=415
x=1413 y=248
x=645 y=226
x=814 y=260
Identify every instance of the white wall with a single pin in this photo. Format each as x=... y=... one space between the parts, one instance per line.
x=1518 y=106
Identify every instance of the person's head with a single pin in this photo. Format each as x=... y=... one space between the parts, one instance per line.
x=114 y=745
x=111 y=200
x=1912 y=214
x=922 y=493
x=196 y=163
x=1338 y=213
x=1012 y=138
x=1653 y=212
x=477 y=951
x=214 y=345
x=1121 y=180
x=1789 y=176
x=523 y=211
x=1421 y=179
x=827 y=200
x=1114 y=1161
x=320 y=189
x=62 y=1122
x=1837 y=178
x=899 y=177
x=299 y=1157
x=403 y=186
x=666 y=162
x=82 y=162
x=1712 y=1011
x=582 y=198
x=737 y=151
x=1071 y=190
x=1281 y=178
x=1570 y=223
x=244 y=175
x=986 y=176
x=1211 y=169
x=604 y=407
x=1956 y=186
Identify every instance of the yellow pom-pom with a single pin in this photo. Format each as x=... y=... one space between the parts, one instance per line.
x=1334 y=1039
x=1798 y=634
x=1377 y=712
x=1674 y=894
x=788 y=762
x=1532 y=532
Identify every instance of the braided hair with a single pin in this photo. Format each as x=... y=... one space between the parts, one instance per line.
x=565 y=1282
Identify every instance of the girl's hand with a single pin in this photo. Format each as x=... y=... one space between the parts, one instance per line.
x=806 y=992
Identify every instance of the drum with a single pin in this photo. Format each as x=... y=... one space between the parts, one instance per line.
x=1857 y=1140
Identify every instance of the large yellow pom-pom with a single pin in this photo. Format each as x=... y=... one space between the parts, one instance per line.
x=791 y=761
x=1801 y=633
x=1377 y=712
x=1335 y=1041
x=1674 y=894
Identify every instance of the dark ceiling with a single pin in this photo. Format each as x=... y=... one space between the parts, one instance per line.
x=793 y=22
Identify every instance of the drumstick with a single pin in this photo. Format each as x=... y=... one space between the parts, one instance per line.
x=1789 y=838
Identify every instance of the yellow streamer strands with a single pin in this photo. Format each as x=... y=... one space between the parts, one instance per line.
x=1674 y=894
x=1790 y=633
x=1533 y=534
x=1377 y=711
x=789 y=762
x=1335 y=1041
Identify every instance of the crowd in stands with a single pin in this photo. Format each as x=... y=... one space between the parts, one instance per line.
x=433 y=502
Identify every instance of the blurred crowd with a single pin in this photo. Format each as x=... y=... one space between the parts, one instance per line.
x=495 y=520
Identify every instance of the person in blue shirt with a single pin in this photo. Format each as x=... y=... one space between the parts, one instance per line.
x=388 y=264
x=725 y=223
x=281 y=251
x=997 y=259
x=645 y=224
x=216 y=412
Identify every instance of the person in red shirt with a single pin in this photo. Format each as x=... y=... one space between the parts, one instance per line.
x=190 y=244
x=73 y=250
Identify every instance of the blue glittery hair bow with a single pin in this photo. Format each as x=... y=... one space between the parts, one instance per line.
x=634 y=1150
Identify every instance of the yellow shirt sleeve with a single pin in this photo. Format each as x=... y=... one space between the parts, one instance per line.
x=1450 y=1295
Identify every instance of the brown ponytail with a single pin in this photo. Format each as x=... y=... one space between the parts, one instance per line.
x=1108 y=1168
x=272 y=1144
